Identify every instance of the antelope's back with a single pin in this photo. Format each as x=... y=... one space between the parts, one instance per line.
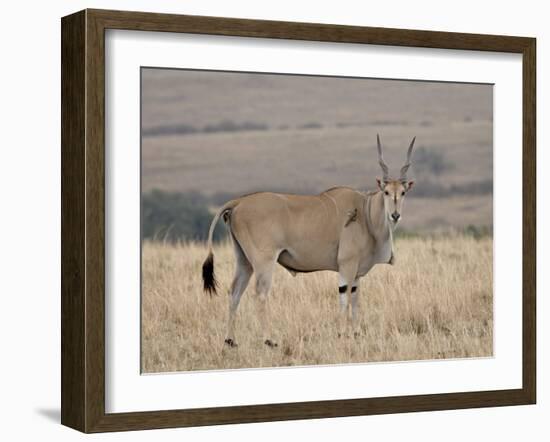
x=292 y=221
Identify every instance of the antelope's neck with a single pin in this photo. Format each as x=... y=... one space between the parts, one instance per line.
x=377 y=221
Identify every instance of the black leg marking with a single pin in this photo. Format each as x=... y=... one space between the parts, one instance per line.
x=231 y=343
x=342 y=289
x=354 y=289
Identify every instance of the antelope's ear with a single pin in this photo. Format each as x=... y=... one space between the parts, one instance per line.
x=380 y=183
x=410 y=184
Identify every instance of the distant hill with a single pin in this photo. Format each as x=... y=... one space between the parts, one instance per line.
x=235 y=133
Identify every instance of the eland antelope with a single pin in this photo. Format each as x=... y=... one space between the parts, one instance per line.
x=341 y=229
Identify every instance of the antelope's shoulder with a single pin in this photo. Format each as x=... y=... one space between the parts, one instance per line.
x=345 y=195
x=339 y=190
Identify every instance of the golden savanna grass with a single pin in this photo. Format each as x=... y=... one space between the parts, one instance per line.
x=435 y=302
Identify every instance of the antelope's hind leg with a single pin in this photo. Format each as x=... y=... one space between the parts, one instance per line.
x=243 y=272
x=264 y=276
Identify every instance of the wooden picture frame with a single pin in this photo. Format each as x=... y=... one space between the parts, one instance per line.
x=83 y=220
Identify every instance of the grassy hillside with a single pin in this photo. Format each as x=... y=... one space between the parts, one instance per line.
x=240 y=133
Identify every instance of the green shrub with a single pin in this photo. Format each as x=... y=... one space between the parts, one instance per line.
x=430 y=160
x=173 y=216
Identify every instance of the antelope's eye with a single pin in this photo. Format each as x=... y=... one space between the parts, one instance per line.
x=386 y=192
x=403 y=193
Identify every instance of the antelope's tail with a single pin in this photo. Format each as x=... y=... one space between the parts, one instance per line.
x=208 y=278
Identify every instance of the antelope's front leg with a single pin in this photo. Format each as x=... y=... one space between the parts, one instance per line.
x=343 y=299
x=346 y=290
x=355 y=308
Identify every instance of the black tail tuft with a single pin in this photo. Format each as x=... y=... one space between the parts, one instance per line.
x=208 y=277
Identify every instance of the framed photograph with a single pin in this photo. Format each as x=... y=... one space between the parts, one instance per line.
x=269 y=220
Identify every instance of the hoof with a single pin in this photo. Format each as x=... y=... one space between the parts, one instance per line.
x=356 y=335
x=270 y=343
x=231 y=343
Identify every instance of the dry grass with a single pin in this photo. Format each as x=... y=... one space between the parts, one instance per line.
x=436 y=302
